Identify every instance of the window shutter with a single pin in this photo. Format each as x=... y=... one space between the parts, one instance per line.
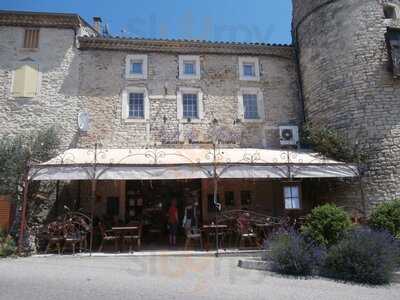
x=26 y=80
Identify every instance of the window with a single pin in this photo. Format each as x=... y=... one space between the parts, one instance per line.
x=292 y=197
x=26 y=81
x=249 y=68
x=245 y=197
x=136 y=67
x=31 y=38
x=189 y=67
x=251 y=105
x=393 y=39
x=190 y=104
x=229 y=198
x=390 y=11
x=135 y=104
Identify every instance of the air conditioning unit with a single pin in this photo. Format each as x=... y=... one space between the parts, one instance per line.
x=289 y=135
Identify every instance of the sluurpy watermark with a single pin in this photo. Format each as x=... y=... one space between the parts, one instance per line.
x=190 y=26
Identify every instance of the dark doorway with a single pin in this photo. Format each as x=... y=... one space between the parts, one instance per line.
x=148 y=202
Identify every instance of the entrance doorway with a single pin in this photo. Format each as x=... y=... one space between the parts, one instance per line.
x=148 y=202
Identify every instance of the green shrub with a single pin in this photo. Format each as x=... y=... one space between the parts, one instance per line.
x=291 y=254
x=363 y=256
x=386 y=216
x=7 y=245
x=326 y=224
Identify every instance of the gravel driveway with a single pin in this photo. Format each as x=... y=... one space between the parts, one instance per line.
x=164 y=278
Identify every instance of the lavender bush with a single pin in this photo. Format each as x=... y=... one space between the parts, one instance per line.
x=363 y=256
x=291 y=254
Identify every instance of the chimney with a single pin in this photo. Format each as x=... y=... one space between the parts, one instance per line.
x=97 y=24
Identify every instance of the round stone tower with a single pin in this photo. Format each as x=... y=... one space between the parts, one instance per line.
x=348 y=84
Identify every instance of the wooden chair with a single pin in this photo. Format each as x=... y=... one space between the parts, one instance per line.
x=193 y=235
x=245 y=232
x=135 y=235
x=72 y=236
x=108 y=236
x=55 y=236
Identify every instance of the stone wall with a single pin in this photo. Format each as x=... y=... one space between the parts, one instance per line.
x=102 y=82
x=348 y=85
x=74 y=80
x=58 y=102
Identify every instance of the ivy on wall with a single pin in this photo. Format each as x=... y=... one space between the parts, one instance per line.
x=332 y=144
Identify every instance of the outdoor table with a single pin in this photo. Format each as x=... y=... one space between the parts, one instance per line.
x=121 y=231
x=207 y=229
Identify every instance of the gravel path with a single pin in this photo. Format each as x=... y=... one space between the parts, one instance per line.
x=164 y=278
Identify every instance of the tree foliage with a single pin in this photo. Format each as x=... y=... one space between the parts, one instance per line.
x=331 y=143
x=326 y=224
x=16 y=151
x=386 y=216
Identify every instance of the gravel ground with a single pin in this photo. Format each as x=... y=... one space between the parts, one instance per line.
x=164 y=278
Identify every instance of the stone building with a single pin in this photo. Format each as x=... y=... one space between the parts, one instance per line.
x=173 y=95
x=348 y=62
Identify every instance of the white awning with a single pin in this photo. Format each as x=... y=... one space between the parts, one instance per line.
x=193 y=163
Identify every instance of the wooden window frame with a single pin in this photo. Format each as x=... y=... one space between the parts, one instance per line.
x=300 y=197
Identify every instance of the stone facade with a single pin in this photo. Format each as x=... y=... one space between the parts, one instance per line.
x=341 y=65
x=102 y=82
x=75 y=80
x=347 y=84
x=58 y=101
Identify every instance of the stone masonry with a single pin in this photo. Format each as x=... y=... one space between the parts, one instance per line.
x=347 y=83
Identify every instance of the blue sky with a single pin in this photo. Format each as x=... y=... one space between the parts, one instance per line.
x=223 y=20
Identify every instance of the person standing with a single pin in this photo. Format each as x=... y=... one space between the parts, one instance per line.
x=172 y=223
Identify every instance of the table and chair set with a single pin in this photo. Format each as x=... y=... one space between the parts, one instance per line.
x=232 y=229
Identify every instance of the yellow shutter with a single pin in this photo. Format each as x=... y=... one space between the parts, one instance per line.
x=26 y=80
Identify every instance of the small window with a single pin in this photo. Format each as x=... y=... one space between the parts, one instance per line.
x=136 y=105
x=250 y=106
x=26 y=81
x=249 y=68
x=136 y=67
x=190 y=106
x=390 y=11
x=292 y=197
x=189 y=67
x=229 y=198
x=245 y=198
x=31 y=38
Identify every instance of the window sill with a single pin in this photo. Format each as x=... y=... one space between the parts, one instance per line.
x=134 y=77
x=248 y=78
